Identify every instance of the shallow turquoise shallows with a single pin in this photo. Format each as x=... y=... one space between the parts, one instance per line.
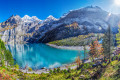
x=39 y=55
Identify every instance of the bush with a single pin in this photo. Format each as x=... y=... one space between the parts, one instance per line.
x=29 y=69
x=69 y=70
x=113 y=62
x=73 y=78
x=104 y=64
x=65 y=71
x=87 y=66
x=69 y=76
x=51 y=71
x=91 y=63
x=114 y=58
x=62 y=71
x=16 y=66
x=58 y=70
x=3 y=63
x=54 y=70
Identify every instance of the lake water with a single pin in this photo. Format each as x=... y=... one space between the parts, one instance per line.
x=39 y=55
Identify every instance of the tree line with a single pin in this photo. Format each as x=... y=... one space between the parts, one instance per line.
x=105 y=49
x=6 y=58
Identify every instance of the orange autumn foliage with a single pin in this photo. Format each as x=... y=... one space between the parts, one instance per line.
x=95 y=49
x=78 y=61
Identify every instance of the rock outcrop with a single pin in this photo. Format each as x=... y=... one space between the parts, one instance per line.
x=75 y=22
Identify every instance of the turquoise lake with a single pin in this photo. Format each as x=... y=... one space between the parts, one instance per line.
x=38 y=55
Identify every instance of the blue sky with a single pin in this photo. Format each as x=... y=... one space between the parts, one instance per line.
x=44 y=8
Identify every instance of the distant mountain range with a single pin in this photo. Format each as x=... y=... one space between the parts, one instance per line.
x=76 y=22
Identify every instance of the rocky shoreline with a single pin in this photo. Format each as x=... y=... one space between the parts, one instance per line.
x=72 y=65
x=68 y=47
x=65 y=66
x=45 y=70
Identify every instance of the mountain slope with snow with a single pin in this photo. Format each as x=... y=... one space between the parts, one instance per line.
x=89 y=19
x=22 y=30
x=27 y=18
x=76 y=22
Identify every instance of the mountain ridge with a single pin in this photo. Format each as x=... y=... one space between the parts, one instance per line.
x=31 y=29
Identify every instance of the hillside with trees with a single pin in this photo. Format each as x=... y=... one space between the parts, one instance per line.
x=104 y=64
x=78 y=41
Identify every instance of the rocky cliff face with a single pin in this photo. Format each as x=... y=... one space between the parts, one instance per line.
x=22 y=30
x=89 y=20
x=92 y=17
x=75 y=22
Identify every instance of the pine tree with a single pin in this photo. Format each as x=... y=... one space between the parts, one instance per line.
x=5 y=55
x=9 y=58
x=85 y=50
x=107 y=43
x=118 y=37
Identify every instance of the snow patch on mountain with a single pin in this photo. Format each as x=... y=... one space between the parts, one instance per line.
x=50 y=18
x=32 y=29
x=27 y=18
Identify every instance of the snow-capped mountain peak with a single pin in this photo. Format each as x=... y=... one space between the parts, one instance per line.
x=50 y=18
x=35 y=18
x=88 y=20
x=27 y=18
x=14 y=19
x=17 y=17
